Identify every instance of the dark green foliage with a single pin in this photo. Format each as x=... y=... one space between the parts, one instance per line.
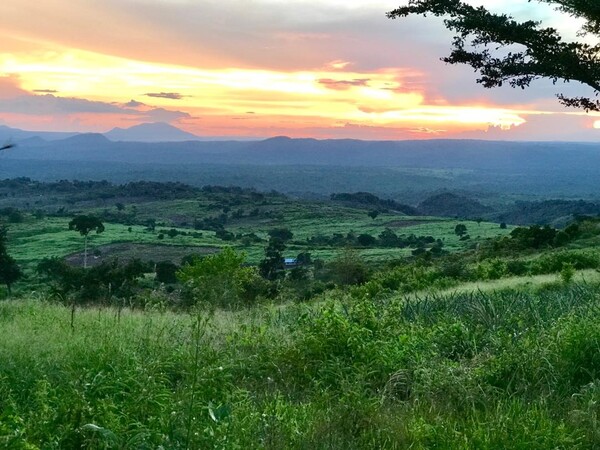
x=224 y=235
x=451 y=205
x=99 y=284
x=373 y=214
x=64 y=278
x=150 y=224
x=220 y=280
x=547 y=211
x=272 y=266
x=369 y=200
x=166 y=272
x=84 y=225
x=460 y=229
x=366 y=240
x=304 y=259
x=283 y=234
x=10 y=271
x=539 y=238
x=386 y=239
x=534 y=237
x=347 y=269
x=13 y=215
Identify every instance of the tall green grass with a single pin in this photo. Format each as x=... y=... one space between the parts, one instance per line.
x=506 y=369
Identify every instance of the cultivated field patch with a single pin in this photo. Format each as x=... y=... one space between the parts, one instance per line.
x=126 y=251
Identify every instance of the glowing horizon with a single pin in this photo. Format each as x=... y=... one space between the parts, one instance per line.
x=81 y=82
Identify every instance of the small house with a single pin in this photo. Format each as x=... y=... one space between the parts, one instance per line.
x=290 y=263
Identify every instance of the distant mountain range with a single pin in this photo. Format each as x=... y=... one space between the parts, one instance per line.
x=145 y=132
x=16 y=135
x=151 y=132
x=515 y=157
x=498 y=166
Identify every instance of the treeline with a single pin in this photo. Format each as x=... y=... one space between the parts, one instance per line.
x=537 y=237
x=386 y=239
x=448 y=204
x=365 y=199
x=548 y=212
x=104 y=190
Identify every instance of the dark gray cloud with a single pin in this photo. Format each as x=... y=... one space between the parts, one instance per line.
x=50 y=104
x=134 y=104
x=45 y=91
x=42 y=105
x=169 y=95
x=342 y=85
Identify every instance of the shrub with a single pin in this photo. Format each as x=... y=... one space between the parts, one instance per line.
x=218 y=280
x=567 y=273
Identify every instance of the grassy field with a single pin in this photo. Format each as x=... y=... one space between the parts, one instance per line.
x=485 y=347
x=50 y=237
x=514 y=368
x=34 y=239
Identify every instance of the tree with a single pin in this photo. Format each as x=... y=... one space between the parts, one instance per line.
x=217 y=280
x=272 y=266
x=283 y=234
x=304 y=259
x=166 y=272
x=504 y=50
x=387 y=238
x=10 y=272
x=84 y=225
x=366 y=240
x=460 y=229
x=373 y=214
x=348 y=268
x=64 y=278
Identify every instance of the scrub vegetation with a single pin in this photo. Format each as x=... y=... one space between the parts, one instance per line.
x=307 y=324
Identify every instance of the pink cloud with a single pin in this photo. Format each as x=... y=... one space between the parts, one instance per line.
x=10 y=87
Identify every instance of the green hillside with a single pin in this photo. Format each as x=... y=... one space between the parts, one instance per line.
x=388 y=331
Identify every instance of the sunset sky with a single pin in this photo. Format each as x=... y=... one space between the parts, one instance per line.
x=260 y=68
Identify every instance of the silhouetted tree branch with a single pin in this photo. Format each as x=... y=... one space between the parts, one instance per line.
x=504 y=50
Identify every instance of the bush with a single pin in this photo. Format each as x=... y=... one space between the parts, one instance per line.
x=166 y=272
x=219 y=280
x=567 y=273
x=347 y=269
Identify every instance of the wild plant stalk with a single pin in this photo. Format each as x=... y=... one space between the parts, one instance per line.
x=199 y=331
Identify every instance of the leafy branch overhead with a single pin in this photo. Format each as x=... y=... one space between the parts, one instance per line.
x=504 y=50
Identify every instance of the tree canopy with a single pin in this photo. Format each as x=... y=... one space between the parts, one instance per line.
x=220 y=279
x=10 y=272
x=85 y=224
x=504 y=50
